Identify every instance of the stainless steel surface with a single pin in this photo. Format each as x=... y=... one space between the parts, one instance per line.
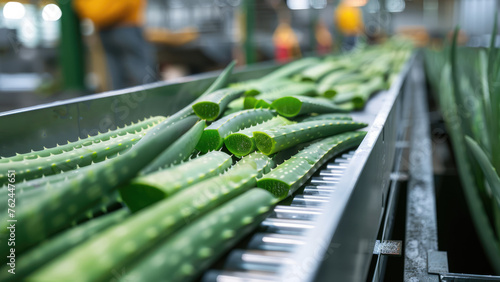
x=421 y=223
x=257 y=260
x=275 y=242
x=404 y=114
x=437 y=262
x=237 y=276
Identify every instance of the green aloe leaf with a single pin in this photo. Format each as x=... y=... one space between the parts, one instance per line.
x=489 y=171
x=477 y=210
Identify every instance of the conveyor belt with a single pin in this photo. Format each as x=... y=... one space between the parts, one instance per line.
x=271 y=249
x=339 y=248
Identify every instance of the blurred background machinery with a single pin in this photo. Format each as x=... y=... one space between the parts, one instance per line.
x=48 y=53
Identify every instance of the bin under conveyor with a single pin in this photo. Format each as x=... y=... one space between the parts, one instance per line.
x=327 y=232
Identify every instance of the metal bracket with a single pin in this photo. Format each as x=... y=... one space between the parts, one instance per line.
x=456 y=277
x=437 y=262
x=388 y=247
x=399 y=176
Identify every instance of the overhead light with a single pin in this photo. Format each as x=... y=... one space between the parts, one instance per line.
x=318 y=4
x=14 y=10
x=51 y=13
x=297 y=4
x=395 y=6
x=355 y=3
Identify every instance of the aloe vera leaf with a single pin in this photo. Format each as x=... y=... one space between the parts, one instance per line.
x=299 y=105
x=237 y=104
x=274 y=140
x=361 y=94
x=31 y=196
x=324 y=117
x=230 y=112
x=496 y=216
x=242 y=143
x=179 y=151
x=340 y=77
x=347 y=106
x=47 y=251
x=326 y=86
x=109 y=201
x=213 y=136
x=290 y=69
x=249 y=102
x=494 y=92
x=57 y=208
x=97 y=152
x=211 y=106
x=146 y=190
x=489 y=171
x=483 y=68
x=194 y=248
x=455 y=80
x=59 y=149
x=331 y=79
x=255 y=87
x=285 y=179
x=26 y=186
x=25 y=192
x=492 y=49
x=263 y=104
x=291 y=89
x=263 y=163
x=347 y=87
x=475 y=113
x=120 y=245
x=221 y=80
x=219 y=83
x=471 y=191
x=345 y=97
x=317 y=72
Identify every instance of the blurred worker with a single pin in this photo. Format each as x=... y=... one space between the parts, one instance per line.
x=286 y=44
x=349 y=20
x=323 y=38
x=130 y=58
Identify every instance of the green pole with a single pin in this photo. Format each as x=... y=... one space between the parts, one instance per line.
x=338 y=38
x=71 y=49
x=312 y=32
x=249 y=12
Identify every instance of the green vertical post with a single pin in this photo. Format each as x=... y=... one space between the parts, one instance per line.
x=249 y=12
x=312 y=33
x=338 y=36
x=71 y=49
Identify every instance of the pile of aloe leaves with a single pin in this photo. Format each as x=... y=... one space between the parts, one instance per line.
x=164 y=198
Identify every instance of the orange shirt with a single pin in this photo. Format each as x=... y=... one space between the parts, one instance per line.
x=105 y=13
x=349 y=19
